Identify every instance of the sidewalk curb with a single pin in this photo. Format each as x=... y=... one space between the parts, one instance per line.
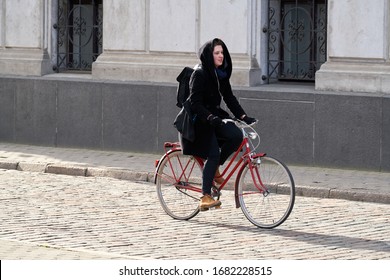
x=335 y=193
x=79 y=170
x=144 y=176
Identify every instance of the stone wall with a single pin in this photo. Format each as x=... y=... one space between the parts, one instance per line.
x=299 y=126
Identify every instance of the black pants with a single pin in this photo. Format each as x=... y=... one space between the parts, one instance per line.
x=225 y=141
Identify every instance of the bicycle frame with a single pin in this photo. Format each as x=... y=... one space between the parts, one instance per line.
x=264 y=188
x=247 y=158
x=169 y=148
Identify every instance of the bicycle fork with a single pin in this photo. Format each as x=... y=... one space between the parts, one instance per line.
x=253 y=163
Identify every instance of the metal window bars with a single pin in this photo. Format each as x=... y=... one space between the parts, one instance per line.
x=79 y=34
x=296 y=39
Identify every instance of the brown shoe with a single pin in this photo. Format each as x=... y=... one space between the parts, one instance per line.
x=207 y=202
x=218 y=178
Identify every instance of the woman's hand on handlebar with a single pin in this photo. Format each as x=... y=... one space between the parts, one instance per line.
x=249 y=120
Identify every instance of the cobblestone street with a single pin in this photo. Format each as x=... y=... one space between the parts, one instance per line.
x=69 y=217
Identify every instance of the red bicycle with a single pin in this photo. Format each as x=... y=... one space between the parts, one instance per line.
x=264 y=187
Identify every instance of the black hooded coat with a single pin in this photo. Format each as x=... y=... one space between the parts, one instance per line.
x=206 y=94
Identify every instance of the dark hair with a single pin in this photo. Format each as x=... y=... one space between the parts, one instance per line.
x=217 y=42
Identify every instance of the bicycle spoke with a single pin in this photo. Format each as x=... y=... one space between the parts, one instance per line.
x=266 y=193
x=179 y=179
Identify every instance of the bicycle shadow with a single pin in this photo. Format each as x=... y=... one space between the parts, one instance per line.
x=334 y=241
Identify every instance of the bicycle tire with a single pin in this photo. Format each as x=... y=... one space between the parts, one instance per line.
x=176 y=199
x=266 y=209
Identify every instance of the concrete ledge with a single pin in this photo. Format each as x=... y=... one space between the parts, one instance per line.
x=312 y=191
x=319 y=192
x=8 y=165
x=366 y=196
x=32 y=167
x=121 y=174
x=66 y=170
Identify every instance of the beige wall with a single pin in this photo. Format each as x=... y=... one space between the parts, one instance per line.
x=358 y=47
x=151 y=40
x=157 y=38
x=24 y=37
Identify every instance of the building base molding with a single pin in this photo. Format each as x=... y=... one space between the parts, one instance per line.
x=354 y=76
x=163 y=67
x=24 y=62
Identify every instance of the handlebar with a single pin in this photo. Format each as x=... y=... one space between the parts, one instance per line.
x=251 y=134
x=239 y=122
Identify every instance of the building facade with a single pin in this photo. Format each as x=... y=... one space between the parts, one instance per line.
x=102 y=58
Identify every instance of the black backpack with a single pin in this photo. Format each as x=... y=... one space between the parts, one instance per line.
x=183 y=89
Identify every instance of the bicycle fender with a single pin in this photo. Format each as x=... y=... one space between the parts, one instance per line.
x=259 y=155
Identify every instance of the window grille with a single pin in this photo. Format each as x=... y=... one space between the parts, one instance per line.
x=79 y=34
x=296 y=39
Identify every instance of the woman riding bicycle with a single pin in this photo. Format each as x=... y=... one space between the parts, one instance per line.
x=214 y=141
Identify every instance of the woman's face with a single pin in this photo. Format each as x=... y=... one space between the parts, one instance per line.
x=218 y=56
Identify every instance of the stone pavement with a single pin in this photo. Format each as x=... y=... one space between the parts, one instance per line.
x=49 y=216
x=310 y=181
x=22 y=250
x=46 y=215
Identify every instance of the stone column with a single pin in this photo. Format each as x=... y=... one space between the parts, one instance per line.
x=24 y=37
x=358 y=47
x=153 y=40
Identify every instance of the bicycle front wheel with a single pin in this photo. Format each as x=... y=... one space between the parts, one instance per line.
x=266 y=194
x=179 y=185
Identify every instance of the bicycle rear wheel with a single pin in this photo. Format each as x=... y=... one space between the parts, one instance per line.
x=179 y=185
x=269 y=206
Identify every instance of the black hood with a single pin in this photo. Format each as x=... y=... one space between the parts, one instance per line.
x=207 y=59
